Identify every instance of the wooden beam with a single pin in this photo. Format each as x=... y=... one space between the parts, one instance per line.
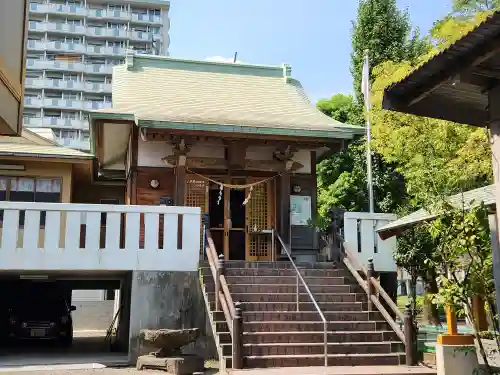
x=475 y=57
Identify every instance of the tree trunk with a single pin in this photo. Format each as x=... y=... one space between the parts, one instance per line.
x=431 y=313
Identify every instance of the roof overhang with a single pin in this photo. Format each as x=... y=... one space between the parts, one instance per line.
x=109 y=142
x=111 y=129
x=466 y=200
x=253 y=131
x=454 y=84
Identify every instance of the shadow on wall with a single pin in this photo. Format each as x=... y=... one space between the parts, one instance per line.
x=169 y=300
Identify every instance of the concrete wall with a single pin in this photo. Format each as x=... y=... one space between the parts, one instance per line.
x=169 y=300
x=92 y=315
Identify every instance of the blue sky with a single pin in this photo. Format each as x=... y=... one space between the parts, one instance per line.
x=312 y=36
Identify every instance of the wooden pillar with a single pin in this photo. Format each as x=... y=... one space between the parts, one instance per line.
x=180 y=179
x=479 y=313
x=494 y=123
x=284 y=208
x=495 y=249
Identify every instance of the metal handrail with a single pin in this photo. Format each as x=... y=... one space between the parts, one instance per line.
x=299 y=277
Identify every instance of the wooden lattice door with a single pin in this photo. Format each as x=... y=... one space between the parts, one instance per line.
x=196 y=195
x=259 y=219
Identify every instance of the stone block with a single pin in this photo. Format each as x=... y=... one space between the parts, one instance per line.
x=181 y=365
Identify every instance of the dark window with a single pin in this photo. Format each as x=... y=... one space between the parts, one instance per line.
x=107 y=201
x=26 y=189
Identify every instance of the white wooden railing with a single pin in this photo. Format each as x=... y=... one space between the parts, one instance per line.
x=359 y=232
x=67 y=236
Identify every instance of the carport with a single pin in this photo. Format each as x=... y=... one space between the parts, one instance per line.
x=66 y=249
x=96 y=346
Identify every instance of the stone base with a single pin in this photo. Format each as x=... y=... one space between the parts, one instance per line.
x=456 y=359
x=182 y=365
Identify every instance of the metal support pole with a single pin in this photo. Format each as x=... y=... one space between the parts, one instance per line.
x=410 y=339
x=297 y=291
x=238 y=337
x=219 y=272
x=370 y=272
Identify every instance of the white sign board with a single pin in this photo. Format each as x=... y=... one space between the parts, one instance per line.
x=300 y=210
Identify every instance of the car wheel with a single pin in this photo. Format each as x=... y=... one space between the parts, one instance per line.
x=66 y=341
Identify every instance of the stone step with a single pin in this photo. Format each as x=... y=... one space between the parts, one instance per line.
x=315 y=326
x=307 y=360
x=268 y=349
x=279 y=288
x=274 y=265
x=303 y=306
x=281 y=272
x=304 y=316
x=311 y=337
x=289 y=280
x=292 y=297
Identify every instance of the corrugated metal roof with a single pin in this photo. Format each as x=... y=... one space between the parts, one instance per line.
x=163 y=89
x=485 y=194
x=446 y=60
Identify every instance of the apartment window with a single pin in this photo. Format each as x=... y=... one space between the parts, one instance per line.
x=74 y=40
x=154 y=30
x=117 y=7
x=74 y=22
x=155 y=12
x=27 y=189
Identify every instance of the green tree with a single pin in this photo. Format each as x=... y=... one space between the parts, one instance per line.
x=341 y=108
x=342 y=183
x=386 y=32
x=471 y=7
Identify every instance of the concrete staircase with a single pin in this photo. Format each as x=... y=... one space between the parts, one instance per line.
x=275 y=334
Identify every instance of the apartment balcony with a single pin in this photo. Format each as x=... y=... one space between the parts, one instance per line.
x=94 y=105
x=108 y=14
x=65 y=47
x=58 y=65
x=32 y=102
x=55 y=122
x=147 y=18
x=34 y=26
x=37 y=8
x=37 y=45
x=34 y=83
x=78 y=144
x=60 y=27
x=99 y=69
x=65 y=85
x=92 y=237
x=40 y=83
x=98 y=87
x=141 y=36
x=60 y=103
x=107 y=32
x=68 y=10
x=105 y=50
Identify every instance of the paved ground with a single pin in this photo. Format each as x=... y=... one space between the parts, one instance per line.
x=361 y=370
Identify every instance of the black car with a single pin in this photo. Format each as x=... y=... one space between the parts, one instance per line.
x=40 y=314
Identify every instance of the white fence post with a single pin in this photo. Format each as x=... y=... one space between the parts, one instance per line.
x=67 y=236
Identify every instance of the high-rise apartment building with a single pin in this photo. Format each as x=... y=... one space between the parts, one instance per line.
x=72 y=48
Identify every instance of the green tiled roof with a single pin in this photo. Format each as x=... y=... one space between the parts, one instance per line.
x=485 y=194
x=204 y=95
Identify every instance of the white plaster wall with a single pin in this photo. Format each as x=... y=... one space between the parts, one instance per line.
x=266 y=153
x=93 y=315
x=150 y=153
x=87 y=295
